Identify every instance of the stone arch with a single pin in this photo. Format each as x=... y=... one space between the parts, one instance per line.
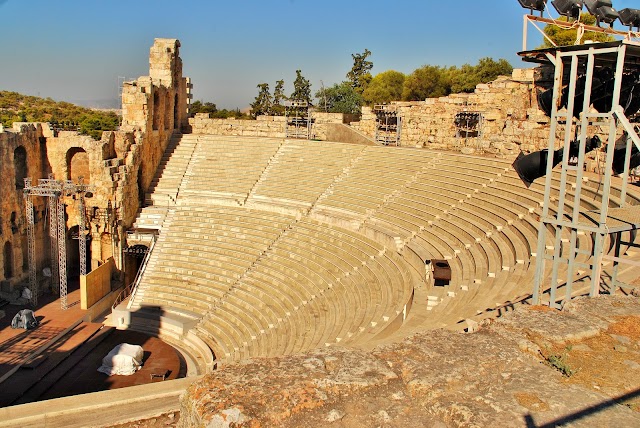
x=176 y=122
x=156 y=110
x=20 y=166
x=25 y=254
x=7 y=253
x=167 y=110
x=78 y=165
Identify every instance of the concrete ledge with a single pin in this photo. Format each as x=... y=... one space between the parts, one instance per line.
x=99 y=408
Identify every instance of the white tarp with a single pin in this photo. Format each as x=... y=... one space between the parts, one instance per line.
x=124 y=359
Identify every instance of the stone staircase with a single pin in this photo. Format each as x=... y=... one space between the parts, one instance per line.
x=164 y=189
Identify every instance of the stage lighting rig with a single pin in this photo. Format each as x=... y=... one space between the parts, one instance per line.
x=568 y=8
x=534 y=165
x=630 y=17
x=532 y=5
x=603 y=11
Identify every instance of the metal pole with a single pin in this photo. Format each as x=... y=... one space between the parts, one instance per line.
x=33 y=284
x=541 y=247
x=82 y=242
x=62 y=255
x=53 y=242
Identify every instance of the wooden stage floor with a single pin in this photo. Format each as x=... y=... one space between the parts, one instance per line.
x=68 y=365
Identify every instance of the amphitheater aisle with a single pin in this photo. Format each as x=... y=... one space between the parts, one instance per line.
x=271 y=246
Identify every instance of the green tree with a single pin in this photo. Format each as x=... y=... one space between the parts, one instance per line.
x=15 y=107
x=428 y=81
x=384 y=87
x=277 y=109
x=467 y=77
x=262 y=103
x=567 y=37
x=200 y=107
x=341 y=98
x=301 y=88
x=360 y=74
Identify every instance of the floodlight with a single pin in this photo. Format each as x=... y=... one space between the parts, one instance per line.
x=532 y=5
x=534 y=165
x=629 y=94
x=630 y=17
x=603 y=11
x=568 y=8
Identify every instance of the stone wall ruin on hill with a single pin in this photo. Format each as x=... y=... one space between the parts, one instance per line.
x=121 y=166
x=512 y=120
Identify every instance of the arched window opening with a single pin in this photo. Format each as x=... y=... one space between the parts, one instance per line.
x=167 y=111
x=176 y=122
x=25 y=255
x=78 y=165
x=20 y=166
x=156 y=111
x=8 y=260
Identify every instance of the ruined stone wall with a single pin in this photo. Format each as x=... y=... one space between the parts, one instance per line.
x=263 y=126
x=155 y=106
x=512 y=119
x=120 y=167
x=22 y=154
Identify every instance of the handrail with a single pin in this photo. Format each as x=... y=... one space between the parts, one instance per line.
x=129 y=289
x=141 y=269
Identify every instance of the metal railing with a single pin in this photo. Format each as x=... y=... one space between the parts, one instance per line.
x=130 y=289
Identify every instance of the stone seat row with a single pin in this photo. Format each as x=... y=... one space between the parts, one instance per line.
x=346 y=267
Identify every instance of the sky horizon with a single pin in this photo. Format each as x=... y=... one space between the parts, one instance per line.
x=76 y=51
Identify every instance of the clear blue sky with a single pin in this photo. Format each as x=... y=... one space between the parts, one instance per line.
x=75 y=50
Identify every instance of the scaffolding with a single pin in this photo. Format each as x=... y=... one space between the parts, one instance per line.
x=591 y=84
x=298 y=121
x=388 y=124
x=469 y=124
x=55 y=190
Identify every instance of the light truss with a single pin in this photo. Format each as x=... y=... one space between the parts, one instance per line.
x=563 y=220
x=55 y=190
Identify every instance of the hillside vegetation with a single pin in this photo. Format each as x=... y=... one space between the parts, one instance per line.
x=15 y=107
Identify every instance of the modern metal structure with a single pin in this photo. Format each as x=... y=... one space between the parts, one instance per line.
x=298 y=121
x=585 y=102
x=55 y=190
x=468 y=124
x=388 y=124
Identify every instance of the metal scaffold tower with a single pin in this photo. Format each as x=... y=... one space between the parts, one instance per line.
x=55 y=190
x=468 y=124
x=298 y=121
x=596 y=88
x=388 y=124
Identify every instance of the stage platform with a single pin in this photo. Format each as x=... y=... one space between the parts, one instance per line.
x=61 y=356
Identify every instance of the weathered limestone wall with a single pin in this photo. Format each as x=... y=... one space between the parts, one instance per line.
x=28 y=140
x=263 y=126
x=155 y=106
x=121 y=166
x=512 y=120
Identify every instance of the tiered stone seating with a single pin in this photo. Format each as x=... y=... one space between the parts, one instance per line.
x=173 y=165
x=253 y=276
x=314 y=164
x=341 y=267
x=226 y=169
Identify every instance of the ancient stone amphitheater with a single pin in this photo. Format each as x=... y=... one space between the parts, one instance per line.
x=275 y=246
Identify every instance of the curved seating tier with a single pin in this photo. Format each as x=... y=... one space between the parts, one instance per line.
x=263 y=283
x=278 y=246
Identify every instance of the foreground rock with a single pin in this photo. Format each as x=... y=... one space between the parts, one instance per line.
x=513 y=372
